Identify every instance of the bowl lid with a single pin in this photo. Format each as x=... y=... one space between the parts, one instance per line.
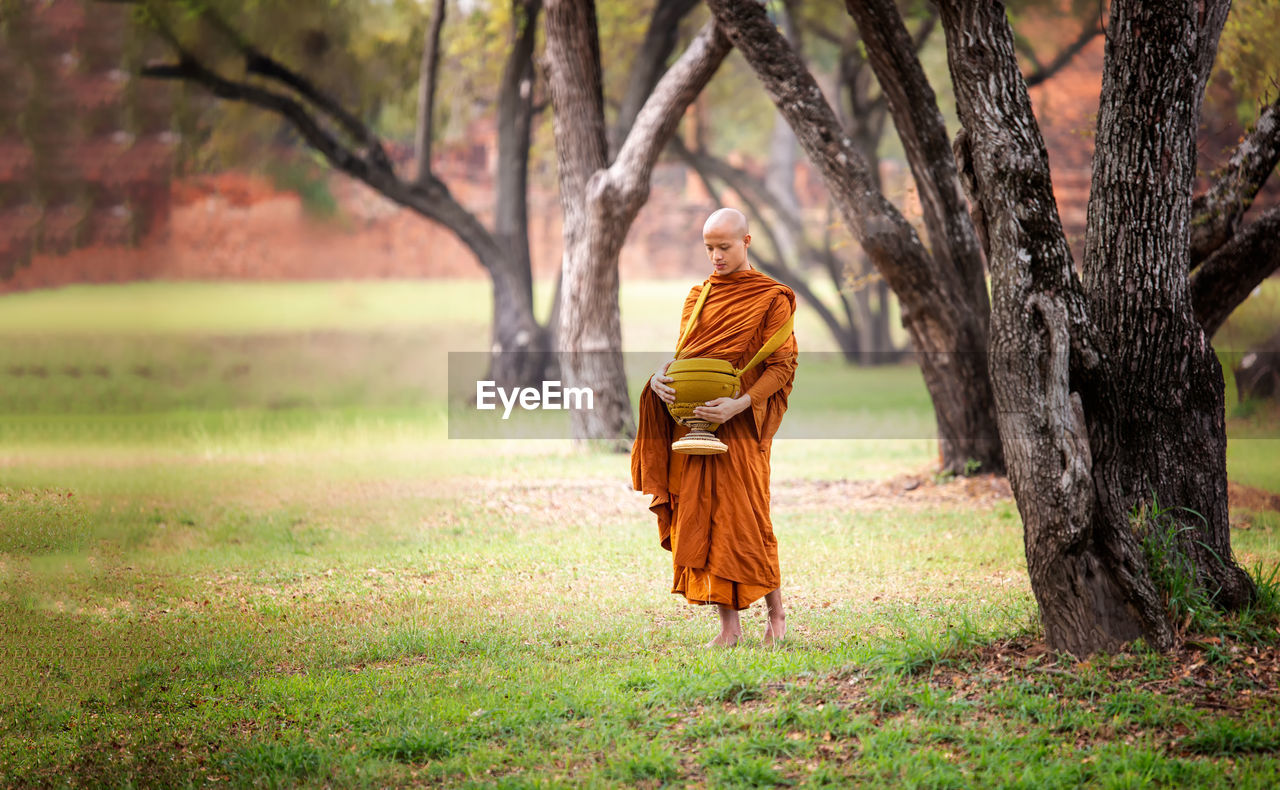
x=701 y=365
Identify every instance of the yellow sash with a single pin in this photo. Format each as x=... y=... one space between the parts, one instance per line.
x=771 y=345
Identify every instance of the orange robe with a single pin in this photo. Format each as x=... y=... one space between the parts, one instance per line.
x=713 y=510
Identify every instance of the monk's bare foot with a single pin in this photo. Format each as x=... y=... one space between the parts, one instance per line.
x=730 y=627
x=725 y=639
x=775 y=630
x=776 y=627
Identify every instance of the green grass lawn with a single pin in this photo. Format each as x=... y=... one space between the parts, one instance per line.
x=237 y=549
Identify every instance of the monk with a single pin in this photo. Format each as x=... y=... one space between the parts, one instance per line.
x=713 y=510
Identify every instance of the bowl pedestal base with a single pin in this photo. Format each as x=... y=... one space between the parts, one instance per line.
x=699 y=440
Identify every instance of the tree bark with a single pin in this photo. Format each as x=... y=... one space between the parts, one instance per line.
x=427 y=73
x=944 y=330
x=1220 y=284
x=1169 y=432
x=1220 y=210
x=600 y=201
x=1086 y=571
x=1110 y=395
x=524 y=347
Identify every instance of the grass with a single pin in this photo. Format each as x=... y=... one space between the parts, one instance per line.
x=289 y=576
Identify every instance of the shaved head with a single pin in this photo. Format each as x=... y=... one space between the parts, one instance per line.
x=726 y=240
x=729 y=221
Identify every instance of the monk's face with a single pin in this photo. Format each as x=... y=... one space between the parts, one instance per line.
x=726 y=247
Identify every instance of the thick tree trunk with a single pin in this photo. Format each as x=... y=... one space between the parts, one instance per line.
x=1170 y=437
x=937 y=312
x=600 y=201
x=1109 y=394
x=522 y=348
x=590 y=337
x=1085 y=571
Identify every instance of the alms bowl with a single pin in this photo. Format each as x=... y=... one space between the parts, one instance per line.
x=697 y=381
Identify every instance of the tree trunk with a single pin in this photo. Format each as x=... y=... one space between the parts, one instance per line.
x=1100 y=414
x=1170 y=438
x=522 y=348
x=600 y=201
x=427 y=71
x=1082 y=569
x=937 y=303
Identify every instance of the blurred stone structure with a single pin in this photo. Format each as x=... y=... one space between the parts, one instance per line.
x=86 y=149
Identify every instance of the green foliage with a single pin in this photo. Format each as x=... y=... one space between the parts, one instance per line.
x=1189 y=604
x=1249 y=50
x=924 y=644
x=309 y=181
x=291 y=760
x=1162 y=530
x=1267 y=583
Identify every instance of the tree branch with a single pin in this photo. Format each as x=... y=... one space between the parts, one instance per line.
x=1043 y=72
x=263 y=65
x=1218 y=212
x=921 y=36
x=911 y=100
x=339 y=155
x=1227 y=278
x=659 y=42
x=428 y=72
x=888 y=239
x=737 y=179
x=705 y=165
x=657 y=120
x=432 y=200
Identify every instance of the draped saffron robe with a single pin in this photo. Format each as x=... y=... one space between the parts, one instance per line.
x=713 y=510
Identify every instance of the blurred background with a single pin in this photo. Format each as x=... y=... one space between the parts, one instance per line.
x=167 y=255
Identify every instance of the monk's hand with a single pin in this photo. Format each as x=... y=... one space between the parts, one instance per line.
x=660 y=383
x=720 y=410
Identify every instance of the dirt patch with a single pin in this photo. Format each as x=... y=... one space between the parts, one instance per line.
x=909 y=491
x=1249 y=498
x=613 y=498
